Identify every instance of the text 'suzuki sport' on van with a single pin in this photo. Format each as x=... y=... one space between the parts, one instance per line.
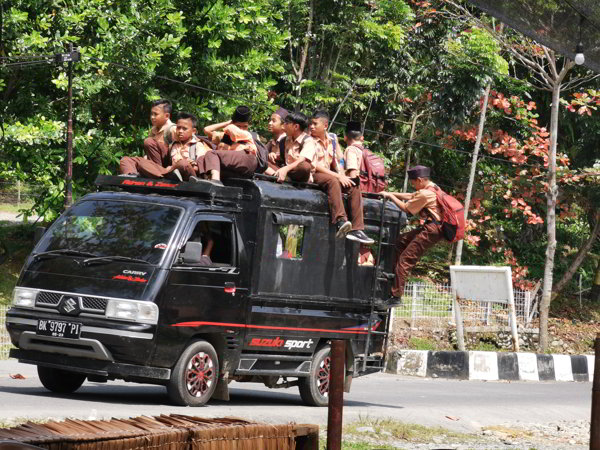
x=194 y=285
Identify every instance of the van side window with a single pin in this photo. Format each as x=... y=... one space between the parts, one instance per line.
x=210 y=244
x=289 y=241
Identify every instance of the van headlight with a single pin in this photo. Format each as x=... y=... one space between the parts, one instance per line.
x=132 y=310
x=24 y=297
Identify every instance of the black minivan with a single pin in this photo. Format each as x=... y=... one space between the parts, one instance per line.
x=192 y=285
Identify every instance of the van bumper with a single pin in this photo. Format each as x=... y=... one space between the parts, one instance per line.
x=93 y=367
x=100 y=339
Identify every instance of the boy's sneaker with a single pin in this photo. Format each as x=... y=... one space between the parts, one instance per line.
x=342 y=226
x=216 y=182
x=175 y=176
x=359 y=236
x=194 y=179
x=130 y=175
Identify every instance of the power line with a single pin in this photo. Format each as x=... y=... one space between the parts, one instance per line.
x=184 y=83
x=27 y=63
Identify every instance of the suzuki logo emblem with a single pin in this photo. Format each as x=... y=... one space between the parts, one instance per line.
x=70 y=305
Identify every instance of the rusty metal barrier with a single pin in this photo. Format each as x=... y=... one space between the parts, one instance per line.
x=165 y=432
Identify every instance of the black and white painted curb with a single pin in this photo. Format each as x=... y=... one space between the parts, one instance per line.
x=492 y=366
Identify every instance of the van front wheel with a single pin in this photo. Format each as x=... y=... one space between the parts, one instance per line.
x=60 y=381
x=194 y=377
x=314 y=389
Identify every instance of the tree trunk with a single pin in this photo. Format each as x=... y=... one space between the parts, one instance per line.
x=551 y=196
x=486 y=96
x=596 y=287
x=581 y=254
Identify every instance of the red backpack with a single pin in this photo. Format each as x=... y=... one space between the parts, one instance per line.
x=372 y=172
x=452 y=225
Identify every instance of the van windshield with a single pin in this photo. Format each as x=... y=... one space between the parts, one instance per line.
x=113 y=228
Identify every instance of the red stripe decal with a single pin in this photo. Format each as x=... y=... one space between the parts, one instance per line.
x=263 y=327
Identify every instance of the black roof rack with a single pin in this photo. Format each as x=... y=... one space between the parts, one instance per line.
x=162 y=186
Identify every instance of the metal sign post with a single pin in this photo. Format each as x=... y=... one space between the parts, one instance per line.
x=336 y=395
x=70 y=58
x=483 y=284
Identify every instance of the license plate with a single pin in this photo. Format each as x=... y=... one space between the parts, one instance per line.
x=58 y=328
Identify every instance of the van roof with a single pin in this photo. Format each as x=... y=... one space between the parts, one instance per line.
x=301 y=198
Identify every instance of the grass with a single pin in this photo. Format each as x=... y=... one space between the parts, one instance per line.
x=16 y=242
x=389 y=434
x=416 y=343
x=13 y=208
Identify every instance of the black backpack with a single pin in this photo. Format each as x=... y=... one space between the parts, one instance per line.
x=262 y=154
x=282 y=149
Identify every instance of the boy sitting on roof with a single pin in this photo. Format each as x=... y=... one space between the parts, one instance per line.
x=278 y=133
x=333 y=182
x=187 y=153
x=237 y=147
x=156 y=145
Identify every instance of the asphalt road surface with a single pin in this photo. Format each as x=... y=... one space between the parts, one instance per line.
x=458 y=405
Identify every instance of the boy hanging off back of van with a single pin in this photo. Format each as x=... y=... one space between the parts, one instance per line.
x=160 y=136
x=410 y=246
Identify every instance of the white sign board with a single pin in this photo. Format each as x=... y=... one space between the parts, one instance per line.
x=482 y=283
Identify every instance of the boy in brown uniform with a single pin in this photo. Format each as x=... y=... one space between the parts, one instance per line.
x=156 y=145
x=332 y=181
x=300 y=151
x=277 y=131
x=242 y=160
x=186 y=153
x=410 y=246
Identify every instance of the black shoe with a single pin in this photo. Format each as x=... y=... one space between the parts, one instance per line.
x=130 y=175
x=342 y=227
x=394 y=301
x=174 y=176
x=194 y=179
x=216 y=182
x=359 y=236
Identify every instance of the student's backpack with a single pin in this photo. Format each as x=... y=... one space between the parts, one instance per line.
x=168 y=135
x=262 y=154
x=372 y=172
x=452 y=225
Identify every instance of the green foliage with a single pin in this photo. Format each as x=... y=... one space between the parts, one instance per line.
x=416 y=343
x=388 y=63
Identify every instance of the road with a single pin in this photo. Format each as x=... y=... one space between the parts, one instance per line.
x=457 y=405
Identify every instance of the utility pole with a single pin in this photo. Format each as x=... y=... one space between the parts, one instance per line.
x=70 y=58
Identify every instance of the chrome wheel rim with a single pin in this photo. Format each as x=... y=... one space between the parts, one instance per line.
x=200 y=374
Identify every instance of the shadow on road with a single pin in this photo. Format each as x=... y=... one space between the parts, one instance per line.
x=157 y=396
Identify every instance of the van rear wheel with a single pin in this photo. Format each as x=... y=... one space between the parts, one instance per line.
x=314 y=389
x=60 y=381
x=194 y=377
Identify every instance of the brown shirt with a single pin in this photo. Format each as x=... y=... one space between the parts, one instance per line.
x=295 y=148
x=422 y=201
x=159 y=133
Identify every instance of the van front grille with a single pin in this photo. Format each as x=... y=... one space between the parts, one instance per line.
x=47 y=298
x=93 y=305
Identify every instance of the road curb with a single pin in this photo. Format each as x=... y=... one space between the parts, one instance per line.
x=491 y=366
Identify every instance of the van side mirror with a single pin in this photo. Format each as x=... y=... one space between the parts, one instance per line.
x=191 y=253
x=37 y=234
